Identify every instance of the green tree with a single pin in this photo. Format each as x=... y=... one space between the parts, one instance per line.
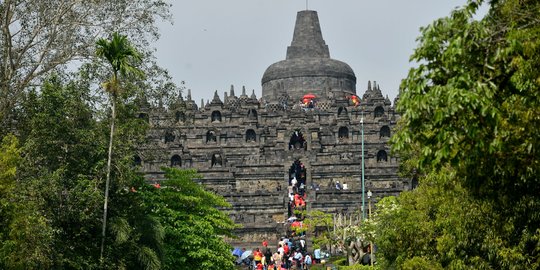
x=9 y=161
x=434 y=224
x=342 y=232
x=54 y=196
x=55 y=222
x=136 y=235
x=470 y=130
x=121 y=57
x=321 y=226
x=58 y=124
x=194 y=222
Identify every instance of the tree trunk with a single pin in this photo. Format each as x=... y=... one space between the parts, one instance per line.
x=108 y=178
x=352 y=253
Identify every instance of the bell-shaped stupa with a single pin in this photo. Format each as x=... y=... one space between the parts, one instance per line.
x=308 y=67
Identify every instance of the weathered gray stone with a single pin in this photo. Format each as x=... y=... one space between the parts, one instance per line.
x=242 y=146
x=308 y=67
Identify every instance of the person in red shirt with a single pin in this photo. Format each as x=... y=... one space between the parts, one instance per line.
x=302 y=202
x=257 y=256
x=297 y=199
x=286 y=249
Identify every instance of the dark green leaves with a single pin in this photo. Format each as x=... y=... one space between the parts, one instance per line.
x=194 y=224
x=470 y=130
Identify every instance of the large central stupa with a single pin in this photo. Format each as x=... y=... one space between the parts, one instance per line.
x=308 y=67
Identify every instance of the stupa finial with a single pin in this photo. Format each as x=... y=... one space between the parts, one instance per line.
x=307 y=38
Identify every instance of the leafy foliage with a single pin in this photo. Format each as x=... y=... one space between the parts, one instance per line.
x=54 y=205
x=194 y=224
x=433 y=224
x=320 y=225
x=122 y=58
x=341 y=233
x=9 y=159
x=56 y=193
x=470 y=133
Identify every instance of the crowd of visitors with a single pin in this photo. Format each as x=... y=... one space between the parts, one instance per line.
x=291 y=253
x=291 y=250
x=297 y=191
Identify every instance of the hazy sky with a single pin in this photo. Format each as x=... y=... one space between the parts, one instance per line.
x=213 y=44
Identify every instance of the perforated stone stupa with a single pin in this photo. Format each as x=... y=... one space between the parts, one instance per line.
x=244 y=147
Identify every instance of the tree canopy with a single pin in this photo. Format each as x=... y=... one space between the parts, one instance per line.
x=470 y=133
x=51 y=194
x=194 y=222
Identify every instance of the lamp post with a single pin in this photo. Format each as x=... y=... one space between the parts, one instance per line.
x=370 y=243
x=363 y=187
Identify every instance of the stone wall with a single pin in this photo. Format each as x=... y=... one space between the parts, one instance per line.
x=242 y=149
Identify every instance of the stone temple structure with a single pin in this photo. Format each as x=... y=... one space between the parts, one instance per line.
x=246 y=147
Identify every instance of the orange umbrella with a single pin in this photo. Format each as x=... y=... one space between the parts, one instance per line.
x=309 y=96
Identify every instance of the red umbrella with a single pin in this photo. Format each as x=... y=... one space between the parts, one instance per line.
x=355 y=100
x=309 y=96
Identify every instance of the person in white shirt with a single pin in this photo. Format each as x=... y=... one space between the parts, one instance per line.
x=280 y=250
x=307 y=261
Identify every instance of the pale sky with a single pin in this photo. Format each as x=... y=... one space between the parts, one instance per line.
x=213 y=44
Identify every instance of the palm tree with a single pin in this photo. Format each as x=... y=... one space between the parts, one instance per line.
x=120 y=55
